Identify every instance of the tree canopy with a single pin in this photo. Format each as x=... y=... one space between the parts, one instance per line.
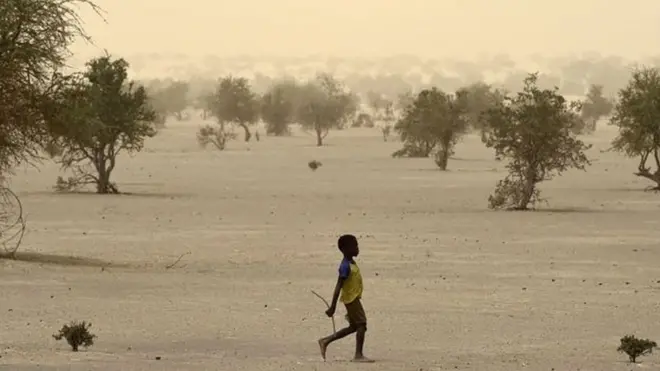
x=637 y=115
x=35 y=36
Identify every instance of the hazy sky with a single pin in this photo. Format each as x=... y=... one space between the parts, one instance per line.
x=427 y=28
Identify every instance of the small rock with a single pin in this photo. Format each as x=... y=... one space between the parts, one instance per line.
x=158 y=358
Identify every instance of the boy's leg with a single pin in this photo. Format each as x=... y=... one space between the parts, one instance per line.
x=358 y=318
x=324 y=342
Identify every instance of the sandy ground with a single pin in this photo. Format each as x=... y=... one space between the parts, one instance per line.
x=450 y=285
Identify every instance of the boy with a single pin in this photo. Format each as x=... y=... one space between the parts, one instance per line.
x=349 y=284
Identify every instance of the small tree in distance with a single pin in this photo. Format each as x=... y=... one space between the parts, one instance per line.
x=278 y=107
x=594 y=107
x=479 y=97
x=435 y=121
x=325 y=105
x=534 y=131
x=637 y=115
x=635 y=348
x=170 y=99
x=234 y=102
x=99 y=115
x=383 y=112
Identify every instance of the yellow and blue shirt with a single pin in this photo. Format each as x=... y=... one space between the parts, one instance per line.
x=352 y=287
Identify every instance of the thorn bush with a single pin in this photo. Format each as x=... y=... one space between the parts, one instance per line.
x=635 y=347
x=76 y=334
x=314 y=165
x=218 y=136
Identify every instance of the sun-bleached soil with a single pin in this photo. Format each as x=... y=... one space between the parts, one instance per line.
x=450 y=285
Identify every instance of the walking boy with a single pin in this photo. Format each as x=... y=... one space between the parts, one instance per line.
x=349 y=284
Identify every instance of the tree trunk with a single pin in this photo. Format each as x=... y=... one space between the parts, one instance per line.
x=527 y=193
x=248 y=135
x=319 y=137
x=103 y=185
x=103 y=170
x=654 y=177
x=442 y=158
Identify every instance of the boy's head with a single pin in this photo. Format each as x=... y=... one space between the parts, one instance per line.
x=348 y=245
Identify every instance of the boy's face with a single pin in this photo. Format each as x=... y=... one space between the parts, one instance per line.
x=355 y=249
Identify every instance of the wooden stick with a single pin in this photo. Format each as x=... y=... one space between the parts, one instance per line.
x=177 y=261
x=334 y=328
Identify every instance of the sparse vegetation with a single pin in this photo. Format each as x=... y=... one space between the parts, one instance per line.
x=635 y=348
x=216 y=135
x=76 y=334
x=637 y=115
x=533 y=130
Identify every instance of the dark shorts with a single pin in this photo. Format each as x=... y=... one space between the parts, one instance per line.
x=355 y=313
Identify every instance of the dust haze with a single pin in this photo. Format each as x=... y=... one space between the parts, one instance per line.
x=369 y=28
x=203 y=255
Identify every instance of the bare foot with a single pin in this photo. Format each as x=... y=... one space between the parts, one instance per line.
x=362 y=359
x=324 y=346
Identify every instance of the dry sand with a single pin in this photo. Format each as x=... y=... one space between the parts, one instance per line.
x=450 y=285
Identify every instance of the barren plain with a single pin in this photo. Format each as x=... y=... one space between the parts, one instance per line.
x=449 y=284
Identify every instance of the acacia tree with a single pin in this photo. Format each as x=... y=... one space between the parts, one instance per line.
x=235 y=103
x=435 y=121
x=325 y=105
x=278 y=106
x=35 y=36
x=637 y=115
x=534 y=130
x=99 y=115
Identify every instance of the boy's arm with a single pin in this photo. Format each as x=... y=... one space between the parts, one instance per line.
x=344 y=272
x=335 y=295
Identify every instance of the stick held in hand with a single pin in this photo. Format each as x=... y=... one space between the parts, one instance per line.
x=334 y=328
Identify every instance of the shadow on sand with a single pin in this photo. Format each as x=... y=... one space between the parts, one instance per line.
x=120 y=194
x=62 y=260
